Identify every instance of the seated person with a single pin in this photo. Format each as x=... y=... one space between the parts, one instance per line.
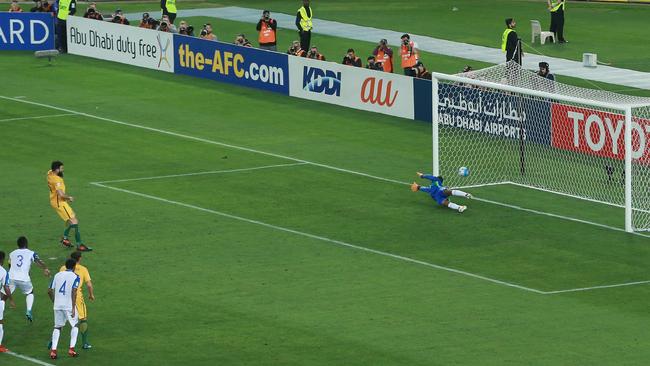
x=206 y=32
x=119 y=18
x=296 y=50
x=314 y=54
x=15 y=8
x=351 y=59
x=421 y=71
x=242 y=41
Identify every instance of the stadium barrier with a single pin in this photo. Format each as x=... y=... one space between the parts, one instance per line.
x=328 y=82
x=26 y=31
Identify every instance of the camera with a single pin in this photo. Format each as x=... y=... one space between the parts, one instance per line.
x=190 y=29
x=204 y=32
x=405 y=42
x=163 y=25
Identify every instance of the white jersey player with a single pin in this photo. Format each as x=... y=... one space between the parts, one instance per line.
x=63 y=292
x=21 y=261
x=4 y=295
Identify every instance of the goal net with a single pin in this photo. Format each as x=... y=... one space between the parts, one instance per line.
x=510 y=126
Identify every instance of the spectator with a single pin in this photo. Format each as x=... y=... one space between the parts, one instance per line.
x=314 y=54
x=384 y=55
x=92 y=14
x=14 y=7
x=119 y=18
x=545 y=72
x=241 y=40
x=46 y=7
x=185 y=29
x=296 y=50
x=304 y=24
x=38 y=7
x=421 y=71
x=410 y=55
x=144 y=22
x=557 y=19
x=351 y=59
x=206 y=33
x=371 y=64
x=510 y=42
x=169 y=9
x=267 y=27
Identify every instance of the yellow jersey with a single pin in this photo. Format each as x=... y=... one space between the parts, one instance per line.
x=54 y=183
x=82 y=272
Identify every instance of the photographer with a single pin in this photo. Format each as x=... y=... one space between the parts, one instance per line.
x=384 y=55
x=119 y=18
x=38 y=7
x=242 y=41
x=185 y=29
x=545 y=72
x=47 y=7
x=351 y=59
x=410 y=55
x=296 y=50
x=421 y=71
x=373 y=64
x=144 y=22
x=206 y=33
x=314 y=54
x=267 y=27
x=93 y=14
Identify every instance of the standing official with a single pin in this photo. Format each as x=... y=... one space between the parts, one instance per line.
x=557 y=18
x=510 y=42
x=268 y=32
x=63 y=9
x=304 y=24
x=169 y=8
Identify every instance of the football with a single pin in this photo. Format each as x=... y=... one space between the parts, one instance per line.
x=463 y=171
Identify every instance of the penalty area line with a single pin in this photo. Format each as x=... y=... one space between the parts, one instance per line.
x=30 y=359
x=322 y=238
x=597 y=287
x=37 y=117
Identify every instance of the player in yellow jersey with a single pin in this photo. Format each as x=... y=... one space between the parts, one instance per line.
x=84 y=277
x=59 y=201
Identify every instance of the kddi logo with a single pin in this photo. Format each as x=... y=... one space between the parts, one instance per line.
x=374 y=92
x=318 y=81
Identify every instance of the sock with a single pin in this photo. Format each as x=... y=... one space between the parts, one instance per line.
x=458 y=193
x=66 y=232
x=77 y=234
x=453 y=206
x=2 y=332
x=55 y=338
x=29 y=300
x=83 y=329
x=73 y=336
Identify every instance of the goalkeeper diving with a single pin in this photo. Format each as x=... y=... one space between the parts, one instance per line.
x=439 y=192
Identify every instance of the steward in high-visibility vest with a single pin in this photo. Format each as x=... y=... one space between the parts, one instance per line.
x=169 y=8
x=384 y=55
x=556 y=7
x=304 y=24
x=268 y=32
x=510 y=42
x=64 y=8
x=410 y=55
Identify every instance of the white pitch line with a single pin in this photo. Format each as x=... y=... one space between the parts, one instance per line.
x=202 y=173
x=596 y=287
x=322 y=238
x=242 y=148
x=30 y=359
x=37 y=117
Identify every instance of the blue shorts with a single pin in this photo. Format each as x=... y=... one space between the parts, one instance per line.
x=440 y=196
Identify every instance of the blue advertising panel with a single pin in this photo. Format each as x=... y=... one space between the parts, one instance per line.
x=26 y=31
x=494 y=113
x=423 y=95
x=232 y=64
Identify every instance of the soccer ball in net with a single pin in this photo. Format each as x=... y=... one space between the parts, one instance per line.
x=463 y=171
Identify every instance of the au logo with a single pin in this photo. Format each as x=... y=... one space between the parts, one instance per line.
x=163 y=52
x=373 y=92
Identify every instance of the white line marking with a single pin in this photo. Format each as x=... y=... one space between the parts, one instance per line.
x=202 y=173
x=37 y=117
x=26 y=358
x=595 y=287
x=322 y=238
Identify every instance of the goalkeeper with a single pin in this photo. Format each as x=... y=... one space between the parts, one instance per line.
x=439 y=192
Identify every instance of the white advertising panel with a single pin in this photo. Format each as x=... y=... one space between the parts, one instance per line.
x=352 y=87
x=121 y=43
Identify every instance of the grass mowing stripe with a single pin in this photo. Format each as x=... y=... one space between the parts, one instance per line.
x=202 y=173
x=322 y=238
x=26 y=358
x=304 y=161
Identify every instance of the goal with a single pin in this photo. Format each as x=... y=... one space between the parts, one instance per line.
x=510 y=126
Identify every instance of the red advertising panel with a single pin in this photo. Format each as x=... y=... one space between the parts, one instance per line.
x=598 y=133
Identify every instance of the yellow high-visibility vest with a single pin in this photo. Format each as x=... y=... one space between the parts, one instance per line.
x=305 y=21
x=504 y=39
x=556 y=7
x=64 y=9
x=171 y=6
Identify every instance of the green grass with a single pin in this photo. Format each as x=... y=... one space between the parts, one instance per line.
x=177 y=285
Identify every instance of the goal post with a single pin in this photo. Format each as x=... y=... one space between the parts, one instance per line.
x=511 y=126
